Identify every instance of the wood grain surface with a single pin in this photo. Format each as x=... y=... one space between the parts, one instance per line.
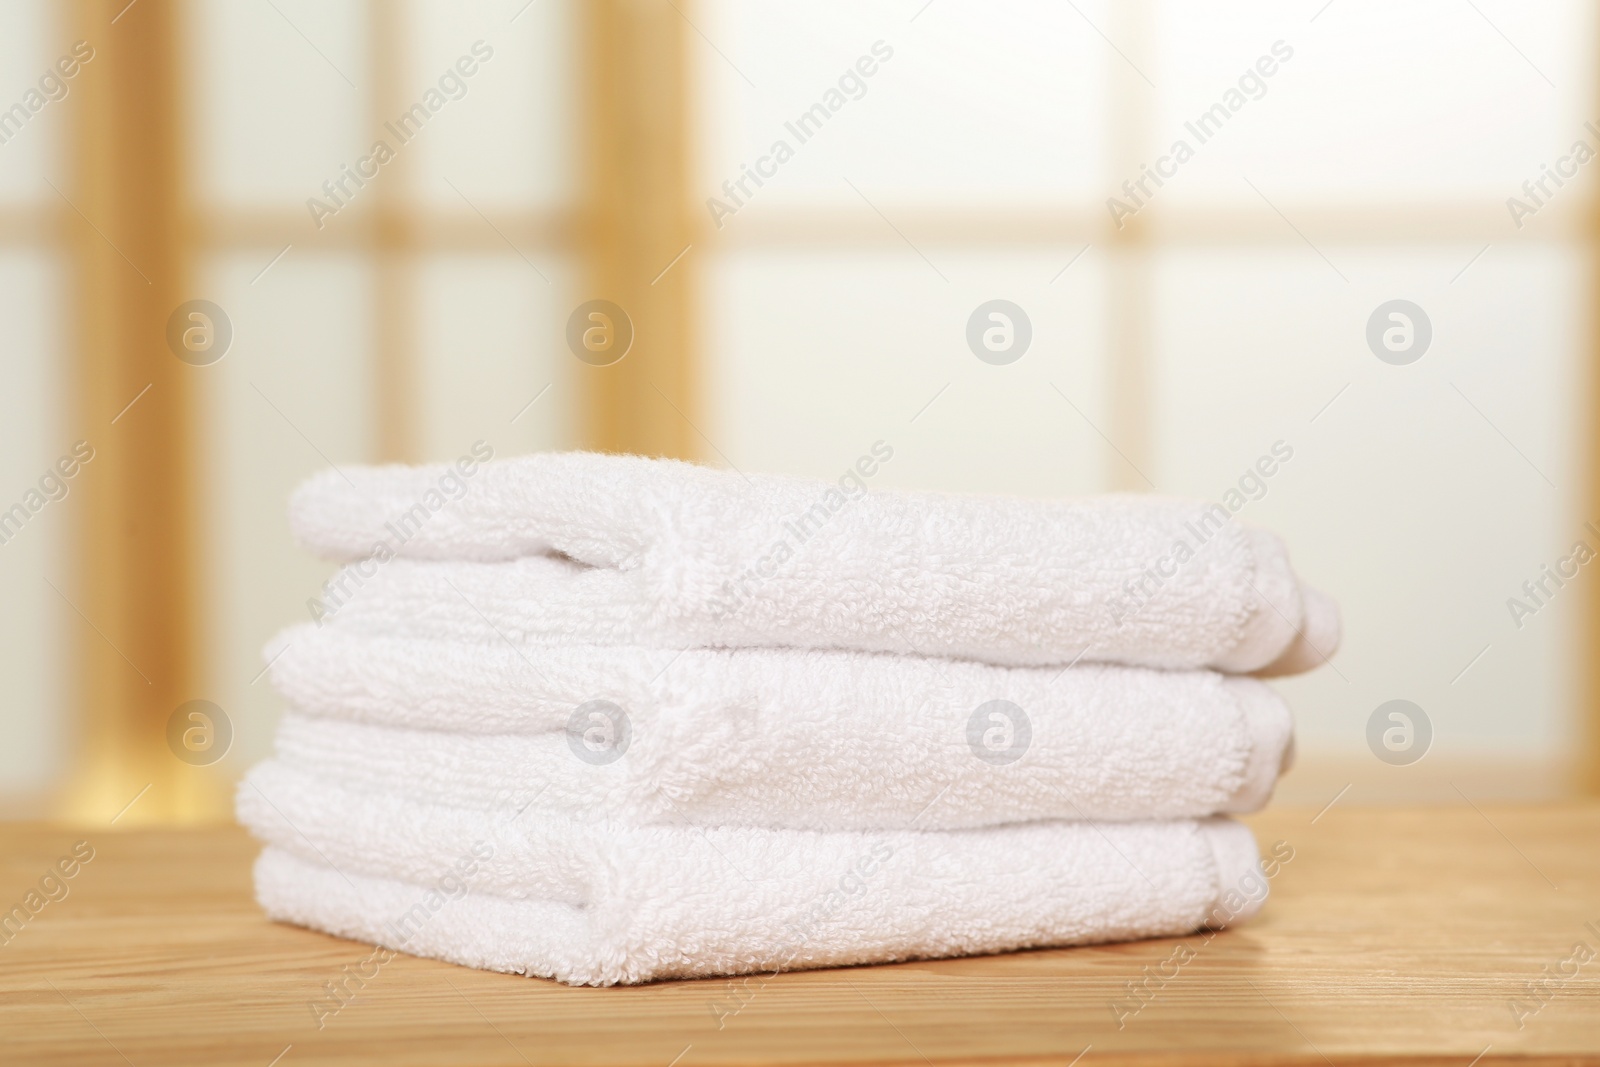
x=1393 y=936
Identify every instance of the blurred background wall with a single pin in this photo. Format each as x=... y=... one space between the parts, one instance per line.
x=791 y=307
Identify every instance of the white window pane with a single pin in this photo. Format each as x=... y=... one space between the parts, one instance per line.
x=976 y=101
x=494 y=366
x=504 y=135
x=279 y=98
x=1379 y=100
x=1418 y=496
x=811 y=356
x=294 y=387
x=32 y=38
x=37 y=627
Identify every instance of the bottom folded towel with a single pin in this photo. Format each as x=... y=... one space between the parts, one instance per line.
x=599 y=904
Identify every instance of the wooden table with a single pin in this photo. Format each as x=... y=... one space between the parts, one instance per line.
x=1392 y=936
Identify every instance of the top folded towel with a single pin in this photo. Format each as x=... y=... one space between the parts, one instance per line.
x=714 y=558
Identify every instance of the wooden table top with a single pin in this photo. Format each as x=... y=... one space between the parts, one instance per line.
x=1422 y=935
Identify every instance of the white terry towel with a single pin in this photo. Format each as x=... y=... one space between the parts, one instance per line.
x=658 y=552
x=595 y=904
x=780 y=738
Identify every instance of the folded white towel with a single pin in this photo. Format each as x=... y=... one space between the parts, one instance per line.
x=780 y=738
x=657 y=552
x=594 y=904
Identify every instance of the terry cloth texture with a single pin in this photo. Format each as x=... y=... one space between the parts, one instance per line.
x=597 y=904
x=802 y=739
x=601 y=549
x=608 y=719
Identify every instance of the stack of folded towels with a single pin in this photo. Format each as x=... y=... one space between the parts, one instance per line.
x=609 y=719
